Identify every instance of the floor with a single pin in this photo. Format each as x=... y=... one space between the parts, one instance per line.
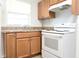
x=38 y=56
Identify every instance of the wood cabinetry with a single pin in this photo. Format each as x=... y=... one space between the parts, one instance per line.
x=23 y=34
x=35 y=45
x=35 y=34
x=40 y=10
x=43 y=6
x=9 y=43
x=61 y=0
x=35 y=42
x=53 y=2
x=23 y=47
x=43 y=12
x=75 y=7
x=21 y=44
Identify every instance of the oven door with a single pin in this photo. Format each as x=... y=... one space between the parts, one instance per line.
x=53 y=43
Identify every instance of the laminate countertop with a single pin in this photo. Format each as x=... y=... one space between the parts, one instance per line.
x=23 y=28
x=20 y=29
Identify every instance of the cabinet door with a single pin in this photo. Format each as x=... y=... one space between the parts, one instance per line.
x=75 y=7
x=61 y=0
x=9 y=45
x=35 y=45
x=52 y=2
x=43 y=12
x=46 y=13
x=45 y=8
x=40 y=10
x=23 y=47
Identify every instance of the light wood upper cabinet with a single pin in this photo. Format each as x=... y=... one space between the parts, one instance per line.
x=40 y=10
x=9 y=45
x=61 y=0
x=43 y=12
x=23 y=47
x=35 y=45
x=53 y=2
x=75 y=7
x=45 y=8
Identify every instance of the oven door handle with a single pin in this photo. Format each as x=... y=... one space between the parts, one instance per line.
x=55 y=36
x=52 y=34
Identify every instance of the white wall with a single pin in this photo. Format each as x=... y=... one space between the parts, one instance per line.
x=34 y=13
x=3 y=22
x=1 y=41
x=62 y=17
x=77 y=39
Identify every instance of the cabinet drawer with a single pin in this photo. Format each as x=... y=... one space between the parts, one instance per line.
x=35 y=34
x=22 y=34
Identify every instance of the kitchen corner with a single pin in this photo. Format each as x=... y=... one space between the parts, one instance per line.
x=39 y=29
x=21 y=34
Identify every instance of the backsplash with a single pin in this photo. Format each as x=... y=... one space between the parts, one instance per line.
x=62 y=17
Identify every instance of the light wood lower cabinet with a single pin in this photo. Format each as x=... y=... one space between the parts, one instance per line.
x=24 y=46
x=35 y=45
x=9 y=45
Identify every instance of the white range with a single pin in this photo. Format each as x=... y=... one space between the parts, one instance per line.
x=59 y=43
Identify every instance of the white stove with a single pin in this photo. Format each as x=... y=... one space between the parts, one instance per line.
x=58 y=43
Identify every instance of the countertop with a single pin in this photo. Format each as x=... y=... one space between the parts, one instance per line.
x=20 y=29
x=24 y=29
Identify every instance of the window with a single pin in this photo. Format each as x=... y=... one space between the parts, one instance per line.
x=19 y=13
